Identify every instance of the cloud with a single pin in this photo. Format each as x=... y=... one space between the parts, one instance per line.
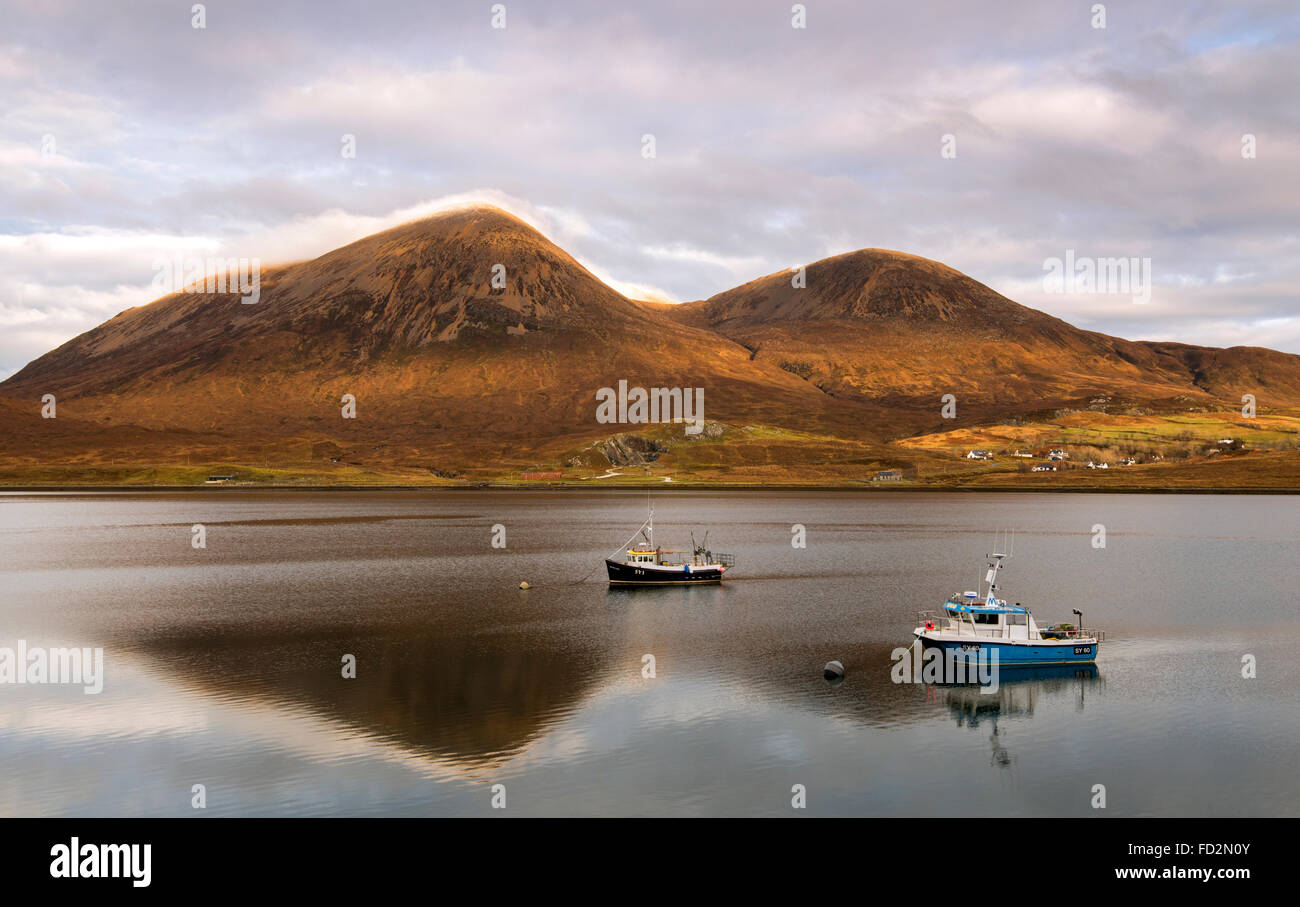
x=774 y=146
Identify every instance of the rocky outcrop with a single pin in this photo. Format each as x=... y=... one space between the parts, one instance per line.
x=620 y=450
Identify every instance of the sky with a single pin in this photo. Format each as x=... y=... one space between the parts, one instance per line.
x=995 y=137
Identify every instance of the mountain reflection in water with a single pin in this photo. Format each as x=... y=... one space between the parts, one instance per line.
x=224 y=666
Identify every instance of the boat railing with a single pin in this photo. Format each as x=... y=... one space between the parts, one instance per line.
x=678 y=558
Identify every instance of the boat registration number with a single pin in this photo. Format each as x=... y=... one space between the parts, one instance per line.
x=1083 y=650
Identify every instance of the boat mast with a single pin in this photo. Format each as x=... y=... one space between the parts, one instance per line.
x=992 y=579
x=991 y=600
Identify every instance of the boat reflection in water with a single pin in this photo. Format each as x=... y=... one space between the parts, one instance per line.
x=1017 y=694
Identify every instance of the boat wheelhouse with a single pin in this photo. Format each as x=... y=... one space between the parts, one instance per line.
x=655 y=566
x=969 y=626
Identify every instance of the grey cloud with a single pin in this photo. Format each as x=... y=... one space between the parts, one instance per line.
x=775 y=146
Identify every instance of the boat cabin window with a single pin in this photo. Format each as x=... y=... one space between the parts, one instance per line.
x=987 y=618
x=1017 y=620
x=952 y=613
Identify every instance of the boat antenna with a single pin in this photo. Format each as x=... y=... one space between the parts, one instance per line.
x=647 y=529
x=995 y=564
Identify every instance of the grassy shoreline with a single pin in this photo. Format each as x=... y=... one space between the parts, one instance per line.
x=673 y=487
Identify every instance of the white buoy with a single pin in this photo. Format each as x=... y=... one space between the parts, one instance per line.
x=525 y=585
x=833 y=670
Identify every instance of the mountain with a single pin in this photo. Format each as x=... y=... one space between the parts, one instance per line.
x=883 y=325
x=445 y=367
x=457 y=375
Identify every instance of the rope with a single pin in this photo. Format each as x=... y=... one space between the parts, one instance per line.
x=579 y=582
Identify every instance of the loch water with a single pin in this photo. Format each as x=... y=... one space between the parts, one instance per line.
x=223 y=665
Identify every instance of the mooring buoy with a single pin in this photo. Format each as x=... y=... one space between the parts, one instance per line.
x=525 y=585
x=833 y=670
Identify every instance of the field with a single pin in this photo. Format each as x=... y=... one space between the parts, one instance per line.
x=1170 y=451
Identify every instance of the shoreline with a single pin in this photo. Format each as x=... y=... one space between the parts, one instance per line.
x=675 y=487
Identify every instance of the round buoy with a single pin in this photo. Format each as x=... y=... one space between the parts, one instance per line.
x=833 y=670
x=525 y=585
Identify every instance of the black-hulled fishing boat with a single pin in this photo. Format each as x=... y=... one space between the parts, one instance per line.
x=649 y=565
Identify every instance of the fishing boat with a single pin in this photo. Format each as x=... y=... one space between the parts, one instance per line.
x=650 y=565
x=968 y=627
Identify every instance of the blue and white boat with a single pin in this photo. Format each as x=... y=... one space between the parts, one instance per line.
x=969 y=627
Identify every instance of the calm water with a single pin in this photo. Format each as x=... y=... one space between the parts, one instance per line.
x=223 y=665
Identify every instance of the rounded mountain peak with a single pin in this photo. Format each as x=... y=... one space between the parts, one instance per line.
x=867 y=284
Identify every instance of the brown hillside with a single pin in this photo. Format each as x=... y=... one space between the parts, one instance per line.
x=445 y=368
x=877 y=324
x=452 y=375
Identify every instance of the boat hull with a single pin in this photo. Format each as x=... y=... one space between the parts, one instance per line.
x=1018 y=653
x=621 y=574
